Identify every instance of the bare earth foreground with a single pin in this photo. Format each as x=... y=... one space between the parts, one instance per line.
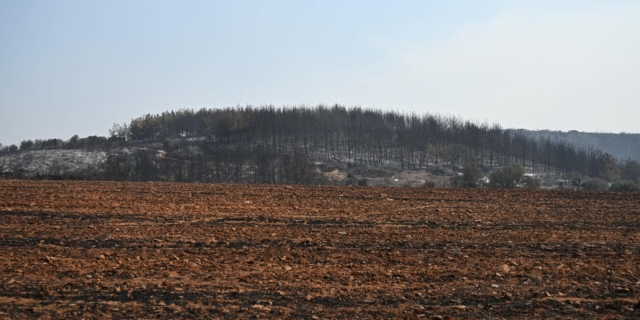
x=147 y=250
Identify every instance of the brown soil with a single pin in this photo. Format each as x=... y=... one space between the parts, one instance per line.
x=142 y=250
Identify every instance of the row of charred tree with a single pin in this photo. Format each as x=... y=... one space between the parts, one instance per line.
x=279 y=145
x=365 y=136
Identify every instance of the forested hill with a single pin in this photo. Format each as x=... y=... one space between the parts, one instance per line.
x=364 y=136
x=285 y=145
x=620 y=145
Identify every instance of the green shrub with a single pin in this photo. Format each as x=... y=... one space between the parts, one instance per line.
x=575 y=178
x=507 y=177
x=471 y=175
x=532 y=182
x=470 y=178
x=595 y=184
x=624 y=186
x=430 y=184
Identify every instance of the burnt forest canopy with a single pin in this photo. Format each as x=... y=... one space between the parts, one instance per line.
x=270 y=144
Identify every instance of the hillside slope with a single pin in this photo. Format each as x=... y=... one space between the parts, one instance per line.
x=309 y=145
x=622 y=146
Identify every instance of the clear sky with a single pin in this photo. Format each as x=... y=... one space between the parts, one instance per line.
x=77 y=67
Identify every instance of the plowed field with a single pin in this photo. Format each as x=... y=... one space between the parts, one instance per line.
x=167 y=250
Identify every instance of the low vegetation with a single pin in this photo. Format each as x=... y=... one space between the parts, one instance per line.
x=595 y=184
x=625 y=186
x=507 y=177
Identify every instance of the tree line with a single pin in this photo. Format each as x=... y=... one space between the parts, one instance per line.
x=279 y=144
x=371 y=137
x=75 y=142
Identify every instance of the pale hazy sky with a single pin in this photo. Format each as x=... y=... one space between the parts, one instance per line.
x=77 y=67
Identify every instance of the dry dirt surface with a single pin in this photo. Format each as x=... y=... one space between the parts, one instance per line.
x=168 y=250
